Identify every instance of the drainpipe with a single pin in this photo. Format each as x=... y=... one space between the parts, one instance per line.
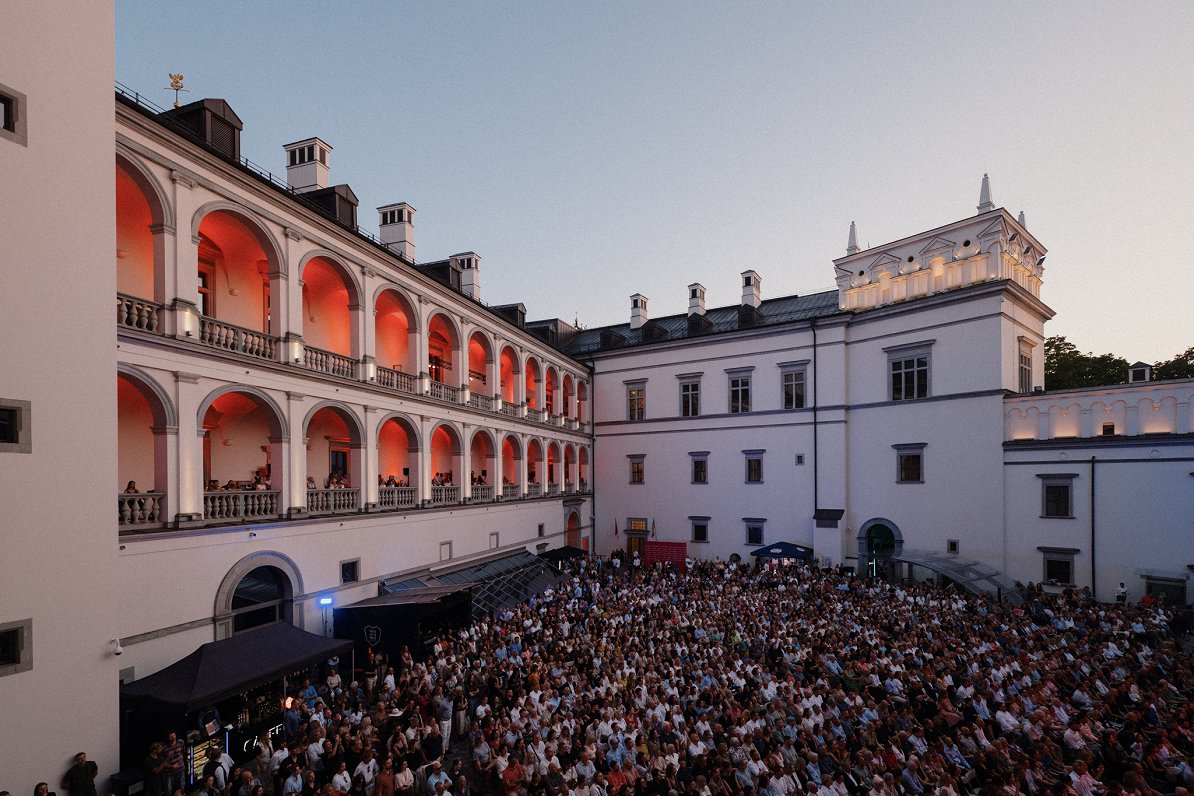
x=816 y=458
x=1093 y=581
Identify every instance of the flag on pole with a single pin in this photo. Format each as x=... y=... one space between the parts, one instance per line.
x=615 y=528
x=652 y=528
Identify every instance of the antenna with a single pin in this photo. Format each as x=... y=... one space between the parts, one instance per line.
x=176 y=86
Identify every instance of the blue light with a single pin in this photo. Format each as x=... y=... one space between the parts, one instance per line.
x=325 y=600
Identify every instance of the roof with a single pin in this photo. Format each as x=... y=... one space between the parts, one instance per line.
x=220 y=669
x=772 y=312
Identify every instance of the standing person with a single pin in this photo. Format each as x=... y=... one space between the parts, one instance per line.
x=79 y=779
x=174 y=753
x=443 y=714
x=1121 y=593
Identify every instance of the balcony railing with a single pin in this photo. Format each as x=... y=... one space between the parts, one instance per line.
x=218 y=334
x=442 y=392
x=141 y=509
x=396 y=380
x=509 y=410
x=584 y=486
x=483 y=493
x=243 y=505
x=321 y=361
x=534 y=490
x=535 y=415
x=553 y=489
x=480 y=402
x=135 y=313
x=396 y=497
x=511 y=492
x=569 y=489
x=333 y=501
x=570 y=422
x=443 y=495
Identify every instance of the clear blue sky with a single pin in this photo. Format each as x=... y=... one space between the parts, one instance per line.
x=588 y=151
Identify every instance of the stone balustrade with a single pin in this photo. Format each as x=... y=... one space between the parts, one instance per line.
x=141 y=509
x=444 y=495
x=483 y=493
x=396 y=380
x=443 y=392
x=236 y=339
x=135 y=313
x=240 y=505
x=333 y=501
x=511 y=492
x=333 y=364
x=396 y=497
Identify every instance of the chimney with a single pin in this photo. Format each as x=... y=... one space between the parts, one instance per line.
x=307 y=165
x=1139 y=371
x=696 y=299
x=984 y=196
x=470 y=274
x=852 y=241
x=397 y=227
x=750 y=289
x=638 y=310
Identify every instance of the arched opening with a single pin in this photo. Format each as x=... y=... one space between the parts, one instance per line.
x=329 y=303
x=582 y=402
x=567 y=403
x=511 y=467
x=553 y=472
x=397 y=464
x=532 y=383
x=334 y=447
x=263 y=596
x=509 y=375
x=582 y=469
x=393 y=329
x=234 y=274
x=549 y=392
x=569 y=468
x=878 y=539
x=483 y=466
x=446 y=465
x=242 y=476
x=137 y=256
x=442 y=346
x=572 y=530
x=144 y=423
x=534 y=467
x=480 y=356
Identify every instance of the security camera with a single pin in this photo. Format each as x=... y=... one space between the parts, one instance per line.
x=119 y=648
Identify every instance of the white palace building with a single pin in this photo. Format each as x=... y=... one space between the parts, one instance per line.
x=264 y=347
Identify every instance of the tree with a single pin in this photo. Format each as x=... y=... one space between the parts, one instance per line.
x=1180 y=367
x=1067 y=368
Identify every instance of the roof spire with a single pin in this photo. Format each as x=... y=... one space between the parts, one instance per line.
x=852 y=244
x=1023 y=223
x=984 y=196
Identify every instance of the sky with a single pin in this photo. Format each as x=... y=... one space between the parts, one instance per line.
x=588 y=151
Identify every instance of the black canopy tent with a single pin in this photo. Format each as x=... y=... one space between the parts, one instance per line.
x=566 y=553
x=784 y=550
x=215 y=672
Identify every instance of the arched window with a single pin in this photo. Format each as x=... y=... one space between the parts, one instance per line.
x=261 y=598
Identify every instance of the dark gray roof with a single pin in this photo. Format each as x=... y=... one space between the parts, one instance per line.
x=787 y=309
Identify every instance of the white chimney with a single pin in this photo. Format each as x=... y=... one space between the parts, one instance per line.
x=470 y=273
x=750 y=289
x=307 y=164
x=397 y=227
x=638 y=310
x=696 y=299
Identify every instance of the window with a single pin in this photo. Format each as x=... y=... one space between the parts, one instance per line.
x=754 y=466
x=1025 y=369
x=739 y=394
x=445 y=551
x=350 y=571
x=754 y=530
x=1058 y=565
x=690 y=399
x=16 y=647
x=207 y=283
x=637 y=468
x=16 y=434
x=494 y=540
x=910 y=463
x=910 y=378
x=542 y=531
x=793 y=386
x=1168 y=591
x=13 y=126
x=636 y=402
x=1057 y=495
x=1108 y=429
x=700 y=466
x=700 y=529
x=799 y=459
x=951 y=546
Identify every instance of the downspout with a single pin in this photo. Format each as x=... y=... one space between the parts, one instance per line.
x=816 y=458
x=1093 y=581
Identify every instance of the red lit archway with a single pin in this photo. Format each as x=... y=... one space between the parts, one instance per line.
x=140 y=233
x=569 y=468
x=582 y=401
x=330 y=306
x=398 y=451
x=582 y=469
x=550 y=399
x=553 y=464
x=532 y=383
x=567 y=400
x=394 y=329
x=511 y=462
x=234 y=268
x=535 y=462
x=146 y=426
x=509 y=375
x=572 y=530
x=480 y=362
x=482 y=465
x=243 y=430
x=446 y=455
x=443 y=346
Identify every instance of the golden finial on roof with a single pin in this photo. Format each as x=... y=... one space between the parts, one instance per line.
x=176 y=86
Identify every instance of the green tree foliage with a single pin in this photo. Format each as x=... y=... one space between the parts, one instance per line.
x=1066 y=367
x=1180 y=367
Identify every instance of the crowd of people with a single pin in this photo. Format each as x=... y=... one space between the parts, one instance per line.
x=773 y=681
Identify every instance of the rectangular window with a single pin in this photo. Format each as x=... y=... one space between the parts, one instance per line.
x=542 y=530
x=690 y=399
x=493 y=540
x=1025 y=370
x=445 y=551
x=16 y=647
x=8 y=116
x=739 y=394
x=754 y=466
x=793 y=384
x=1057 y=494
x=636 y=402
x=636 y=524
x=754 y=530
x=15 y=426
x=700 y=471
x=909 y=466
x=1108 y=429
x=636 y=472
x=13 y=122
x=1059 y=570
x=207 y=284
x=700 y=531
x=951 y=546
x=350 y=571
x=910 y=377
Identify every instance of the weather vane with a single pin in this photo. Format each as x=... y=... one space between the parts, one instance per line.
x=176 y=86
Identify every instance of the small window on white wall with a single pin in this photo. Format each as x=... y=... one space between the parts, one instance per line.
x=493 y=540
x=16 y=647
x=445 y=551
x=13 y=110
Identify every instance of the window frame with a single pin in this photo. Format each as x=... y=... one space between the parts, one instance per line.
x=16 y=128
x=356 y=572
x=698 y=522
x=753 y=457
x=636 y=401
x=739 y=397
x=1057 y=555
x=790 y=371
x=690 y=398
x=901 y=355
x=1052 y=481
x=23 y=426
x=754 y=522
x=910 y=451
x=638 y=468
x=23 y=630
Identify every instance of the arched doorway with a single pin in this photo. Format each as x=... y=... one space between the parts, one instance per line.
x=878 y=539
x=511 y=467
x=480 y=360
x=509 y=375
x=442 y=347
x=242 y=472
x=328 y=323
x=397 y=463
x=446 y=465
x=146 y=427
x=259 y=590
x=394 y=326
x=483 y=467
x=572 y=530
x=334 y=466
